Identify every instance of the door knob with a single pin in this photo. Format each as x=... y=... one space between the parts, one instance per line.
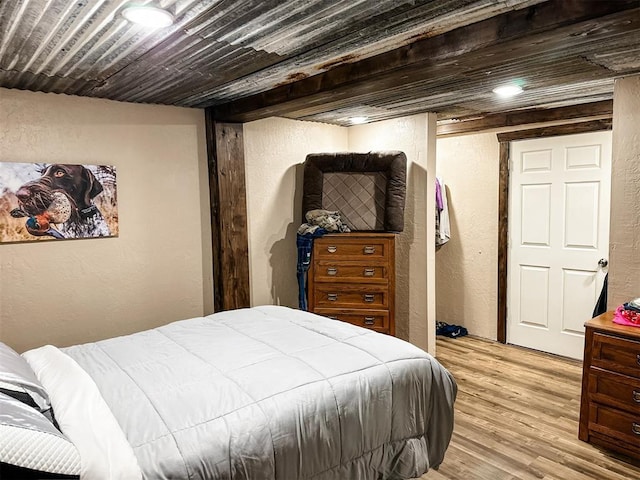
x=603 y=262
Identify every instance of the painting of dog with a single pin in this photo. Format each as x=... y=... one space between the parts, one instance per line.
x=57 y=201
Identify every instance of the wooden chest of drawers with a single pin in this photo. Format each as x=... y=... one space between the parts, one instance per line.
x=352 y=278
x=610 y=405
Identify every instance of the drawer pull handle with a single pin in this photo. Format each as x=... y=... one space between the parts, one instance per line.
x=638 y=358
x=332 y=297
x=368 y=272
x=369 y=320
x=635 y=428
x=332 y=271
x=369 y=297
x=369 y=250
x=636 y=396
x=332 y=249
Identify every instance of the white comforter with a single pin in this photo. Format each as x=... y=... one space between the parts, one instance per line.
x=261 y=393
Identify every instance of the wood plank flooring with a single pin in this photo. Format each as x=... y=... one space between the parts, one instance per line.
x=517 y=417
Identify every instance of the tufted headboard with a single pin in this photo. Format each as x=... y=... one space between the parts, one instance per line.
x=368 y=189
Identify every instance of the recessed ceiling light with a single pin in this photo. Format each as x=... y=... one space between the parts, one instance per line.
x=506 y=91
x=153 y=17
x=358 y=120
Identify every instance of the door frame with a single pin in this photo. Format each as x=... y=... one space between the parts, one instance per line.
x=504 y=140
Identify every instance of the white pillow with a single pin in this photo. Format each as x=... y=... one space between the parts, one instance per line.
x=18 y=380
x=29 y=440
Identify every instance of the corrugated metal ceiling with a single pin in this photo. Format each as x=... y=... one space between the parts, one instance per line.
x=220 y=51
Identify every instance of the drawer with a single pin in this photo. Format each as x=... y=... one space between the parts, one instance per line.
x=617 y=354
x=357 y=296
x=346 y=248
x=375 y=319
x=614 y=390
x=327 y=271
x=632 y=452
x=614 y=423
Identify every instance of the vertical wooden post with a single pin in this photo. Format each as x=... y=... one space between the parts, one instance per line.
x=503 y=240
x=230 y=242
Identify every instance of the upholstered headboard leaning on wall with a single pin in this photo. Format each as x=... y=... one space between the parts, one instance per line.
x=368 y=189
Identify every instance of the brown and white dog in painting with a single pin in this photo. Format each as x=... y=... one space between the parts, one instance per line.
x=62 y=196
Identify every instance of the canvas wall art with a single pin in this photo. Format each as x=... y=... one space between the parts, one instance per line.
x=40 y=201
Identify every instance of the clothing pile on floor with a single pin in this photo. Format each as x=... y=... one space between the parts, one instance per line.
x=451 y=331
x=628 y=313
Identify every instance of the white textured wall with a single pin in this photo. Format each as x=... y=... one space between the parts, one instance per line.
x=275 y=149
x=466 y=266
x=624 y=240
x=415 y=248
x=158 y=269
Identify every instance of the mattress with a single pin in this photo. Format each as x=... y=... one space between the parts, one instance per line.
x=261 y=393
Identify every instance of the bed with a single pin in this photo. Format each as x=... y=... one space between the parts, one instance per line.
x=260 y=393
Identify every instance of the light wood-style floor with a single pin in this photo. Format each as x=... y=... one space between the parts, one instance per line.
x=517 y=417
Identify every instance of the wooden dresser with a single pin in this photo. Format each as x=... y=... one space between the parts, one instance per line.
x=610 y=405
x=352 y=278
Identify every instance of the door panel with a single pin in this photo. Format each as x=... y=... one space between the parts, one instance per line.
x=586 y=156
x=558 y=230
x=536 y=214
x=578 y=288
x=534 y=295
x=536 y=161
x=581 y=201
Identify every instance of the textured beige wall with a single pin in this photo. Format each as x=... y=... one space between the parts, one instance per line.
x=415 y=247
x=274 y=151
x=157 y=270
x=466 y=266
x=624 y=240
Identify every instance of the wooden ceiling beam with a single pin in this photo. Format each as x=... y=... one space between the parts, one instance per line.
x=569 y=114
x=541 y=25
x=556 y=130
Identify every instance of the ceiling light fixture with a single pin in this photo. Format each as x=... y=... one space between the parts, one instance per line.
x=147 y=16
x=358 y=120
x=507 y=91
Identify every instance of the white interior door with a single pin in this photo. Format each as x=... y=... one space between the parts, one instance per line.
x=559 y=200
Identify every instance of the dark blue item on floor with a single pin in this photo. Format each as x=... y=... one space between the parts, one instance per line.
x=451 y=331
x=304 y=243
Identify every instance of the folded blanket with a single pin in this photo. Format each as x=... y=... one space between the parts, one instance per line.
x=624 y=316
x=324 y=219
